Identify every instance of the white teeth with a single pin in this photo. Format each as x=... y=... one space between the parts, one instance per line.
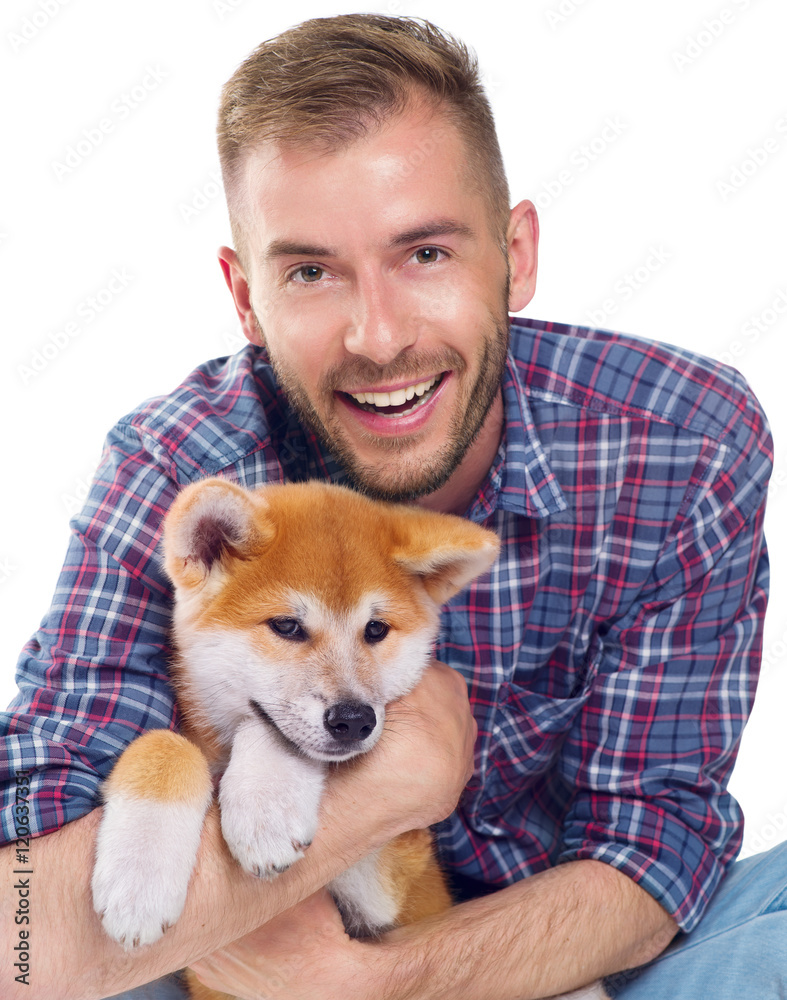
x=397 y=397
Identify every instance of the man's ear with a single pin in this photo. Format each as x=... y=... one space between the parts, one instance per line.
x=210 y=523
x=522 y=240
x=445 y=552
x=239 y=287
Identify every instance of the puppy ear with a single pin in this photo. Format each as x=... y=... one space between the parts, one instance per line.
x=210 y=523
x=446 y=552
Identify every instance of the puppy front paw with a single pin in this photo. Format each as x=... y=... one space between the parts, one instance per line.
x=145 y=852
x=132 y=911
x=268 y=820
x=263 y=843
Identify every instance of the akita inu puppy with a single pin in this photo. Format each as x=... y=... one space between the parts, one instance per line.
x=301 y=612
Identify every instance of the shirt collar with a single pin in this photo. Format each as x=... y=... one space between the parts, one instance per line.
x=520 y=479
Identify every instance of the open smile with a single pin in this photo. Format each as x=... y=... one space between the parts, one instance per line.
x=399 y=402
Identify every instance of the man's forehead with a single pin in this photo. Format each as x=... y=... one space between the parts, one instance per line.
x=406 y=186
x=415 y=136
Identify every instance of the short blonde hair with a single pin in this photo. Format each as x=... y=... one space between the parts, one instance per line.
x=328 y=81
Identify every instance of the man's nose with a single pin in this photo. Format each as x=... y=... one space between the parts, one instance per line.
x=381 y=328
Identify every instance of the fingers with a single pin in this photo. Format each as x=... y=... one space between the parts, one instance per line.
x=294 y=955
x=417 y=772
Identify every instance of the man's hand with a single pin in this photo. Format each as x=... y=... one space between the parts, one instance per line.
x=417 y=772
x=300 y=955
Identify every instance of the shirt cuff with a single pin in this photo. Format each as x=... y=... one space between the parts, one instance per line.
x=666 y=858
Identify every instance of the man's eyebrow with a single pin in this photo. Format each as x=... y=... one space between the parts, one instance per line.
x=435 y=227
x=292 y=248
x=425 y=231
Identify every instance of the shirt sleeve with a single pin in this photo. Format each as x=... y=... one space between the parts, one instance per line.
x=651 y=753
x=94 y=676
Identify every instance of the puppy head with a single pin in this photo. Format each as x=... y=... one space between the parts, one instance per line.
x=309 y=605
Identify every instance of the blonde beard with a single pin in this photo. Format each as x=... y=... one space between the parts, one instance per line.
x=399 y=478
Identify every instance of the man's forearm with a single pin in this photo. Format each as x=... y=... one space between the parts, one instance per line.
x=70 y=956
x=545 y=935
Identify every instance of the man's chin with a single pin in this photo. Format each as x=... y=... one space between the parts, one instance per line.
x=401 y=490
x=396 y=469
x=397 y=477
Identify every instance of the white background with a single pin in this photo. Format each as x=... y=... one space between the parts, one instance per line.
x=669 y=223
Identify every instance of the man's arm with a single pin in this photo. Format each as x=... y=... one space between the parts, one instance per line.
x=69 y=953
x=71 y=958
x=547 y=934
x=555 y=931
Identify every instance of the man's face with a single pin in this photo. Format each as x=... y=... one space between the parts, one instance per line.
x=381 y=293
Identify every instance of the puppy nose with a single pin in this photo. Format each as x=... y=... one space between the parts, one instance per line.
x=350 y=721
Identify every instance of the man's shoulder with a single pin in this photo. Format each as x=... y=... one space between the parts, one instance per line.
x=605 y=371
x=224 y=410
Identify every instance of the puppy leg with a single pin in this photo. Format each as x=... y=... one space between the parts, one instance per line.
x=155 y=802
x=269 y=798
x=410 y=862
x=398 y=884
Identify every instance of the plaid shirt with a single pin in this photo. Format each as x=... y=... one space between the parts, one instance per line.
x=611 y=654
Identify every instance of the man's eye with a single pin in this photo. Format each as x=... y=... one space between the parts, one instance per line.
x=427 y=255
x=308 y=274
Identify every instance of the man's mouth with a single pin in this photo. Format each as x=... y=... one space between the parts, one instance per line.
x=398 y=403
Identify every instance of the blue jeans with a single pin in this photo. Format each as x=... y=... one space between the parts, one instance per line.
x=739 y=948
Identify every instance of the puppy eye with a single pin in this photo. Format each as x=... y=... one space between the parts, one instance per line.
x=375 y=630
x=287 y=628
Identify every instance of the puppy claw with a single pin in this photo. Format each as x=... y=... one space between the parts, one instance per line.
x=267 y=873
x=262 y=847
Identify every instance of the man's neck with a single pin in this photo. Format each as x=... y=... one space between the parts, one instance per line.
x=462 y=488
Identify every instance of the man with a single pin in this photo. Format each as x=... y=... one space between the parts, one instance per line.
x=610 y=657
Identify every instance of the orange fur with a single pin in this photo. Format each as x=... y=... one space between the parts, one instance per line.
x=408 y=864
x=161 y=765
x=359 y=550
